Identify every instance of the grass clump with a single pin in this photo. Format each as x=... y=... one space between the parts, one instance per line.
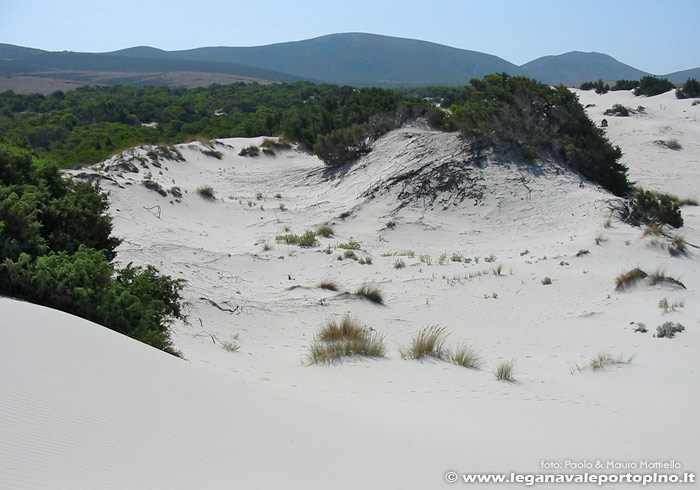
x=325 y=231
x=505 y=371
x=429 y=342
x=308 y=239
x=206 y=191
x=677 y=246
x=660 y=277
x=667 y=307
x=399 y=264
x=546 y=281
x=329 y=284
x=370 y=292
x=668 y=330
x=670 y=144
x=466 y=356
x=345 y=338
x=351 y=245
x=249 y=151
x=629 y=278
x=601 y=361
x=230 y=346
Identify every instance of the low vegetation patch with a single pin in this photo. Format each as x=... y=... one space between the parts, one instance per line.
x=325 y=231
x=370 y=292
x=249 y=151
x=629 y=278
x=206 y=191
x=668 y=330
x=601 y=361
x=505 y=371
x=660 y=277
x=329 y=285
x=429 y=342
x=466 y=356
x=308 y=239
x=667 y=307
x=345 y=338
x=670 y=144
x=619 y=110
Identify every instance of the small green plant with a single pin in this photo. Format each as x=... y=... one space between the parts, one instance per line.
x=466 y=356
x=640 y=327
x=524 y=252
x=259 y=196
x=619 y=110
x=505 y=371
x=351 y=245
x=399 y=264
x=231 y=345
x=429 y=342
x=206 y=191
x=629 y=278
x=546 y=281
x=370 y=292
x=457 y=257
x=490 y=258
x=176 y=192
x=668 y=330
x=350 y=254
x=308 y=239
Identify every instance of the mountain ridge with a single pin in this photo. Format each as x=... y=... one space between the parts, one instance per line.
x=355 y=59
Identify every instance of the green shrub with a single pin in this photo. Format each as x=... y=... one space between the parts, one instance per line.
x=599 y=86
x=669 y=330
x=618 y=110
x=626 y=85
x=249 y=151
x=691 y=88
x=536 y=120
x=648 y=206
x=653 y=86
x=325 y=231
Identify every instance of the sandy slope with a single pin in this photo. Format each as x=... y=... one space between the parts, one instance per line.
x=409 y=421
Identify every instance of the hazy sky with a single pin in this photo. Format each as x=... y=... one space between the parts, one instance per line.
x=652 y=35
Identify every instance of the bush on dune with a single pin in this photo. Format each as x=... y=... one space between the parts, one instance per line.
x=56 y=250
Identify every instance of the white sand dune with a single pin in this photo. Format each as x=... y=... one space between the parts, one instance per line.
x=83 y=407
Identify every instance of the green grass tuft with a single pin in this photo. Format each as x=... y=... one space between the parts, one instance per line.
x=505 y=371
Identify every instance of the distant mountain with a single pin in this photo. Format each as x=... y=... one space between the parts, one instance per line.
x=345 y=59
x=683 y=76
x=18 y=53
x=355 y=59
x=576 y=67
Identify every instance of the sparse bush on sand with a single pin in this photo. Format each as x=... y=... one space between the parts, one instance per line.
x=668 y=330
x=325 y=231
x=660 y=277
x=308 y=239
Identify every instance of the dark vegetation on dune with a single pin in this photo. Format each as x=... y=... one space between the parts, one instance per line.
x=56 y=246
x=56 y=249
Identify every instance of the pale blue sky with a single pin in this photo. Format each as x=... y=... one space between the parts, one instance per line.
x=654 y=36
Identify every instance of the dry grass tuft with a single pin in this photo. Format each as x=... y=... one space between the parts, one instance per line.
x=329 y=284
x=345 y=338
x=206 y=191
x=466 y=356
x=371 y=292
x=325 y=231
x=660 y=277
x=601 y=361
x=505 y=371
x=629 y=278
x=429 y=342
